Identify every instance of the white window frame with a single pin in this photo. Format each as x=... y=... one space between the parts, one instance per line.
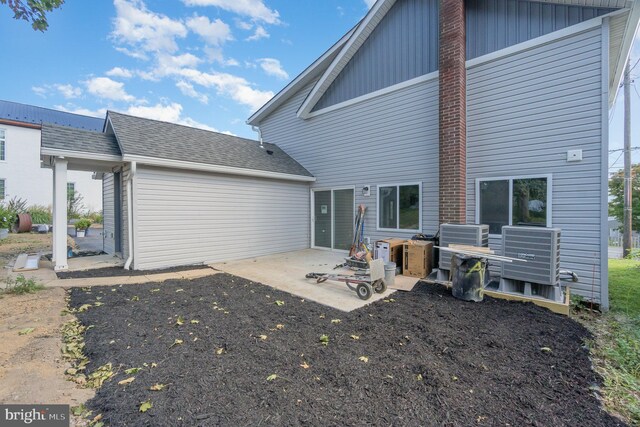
x=511 y=178
x=402 y=230
x=4 y=146
x=4 y=195
x=313 y=216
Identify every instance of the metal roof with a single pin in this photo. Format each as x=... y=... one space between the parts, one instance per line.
x=37 y=115
x=162 y=140
x=78 y=141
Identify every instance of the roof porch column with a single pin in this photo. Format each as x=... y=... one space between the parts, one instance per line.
x=60 y=214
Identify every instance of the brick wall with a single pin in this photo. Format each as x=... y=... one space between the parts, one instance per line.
x=452 y=113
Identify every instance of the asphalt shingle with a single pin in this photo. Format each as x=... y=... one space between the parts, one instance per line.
x=65 y=138
x=152 y=138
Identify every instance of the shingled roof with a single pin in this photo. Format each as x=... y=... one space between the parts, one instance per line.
x=79 y=141
x=161 y=140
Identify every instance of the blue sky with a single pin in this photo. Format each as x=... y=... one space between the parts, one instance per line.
x=205 y=63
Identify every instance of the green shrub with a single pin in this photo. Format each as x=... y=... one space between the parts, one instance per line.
x=22 y=285
x=40 y=214
x=634 y=254
x=94 y=217
x=5 y=216
x=83 y=224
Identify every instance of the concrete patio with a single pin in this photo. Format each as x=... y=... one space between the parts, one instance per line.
x=286 y=272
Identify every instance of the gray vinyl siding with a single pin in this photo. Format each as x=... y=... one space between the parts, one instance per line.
x=496 y=24
x=108 y=216
x=184 y=217
x=391 y=139
x=403 y=46
x=524 y=112
x=405 y=43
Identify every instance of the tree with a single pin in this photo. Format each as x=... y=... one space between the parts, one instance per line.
x=34 y=11
x=616 y=189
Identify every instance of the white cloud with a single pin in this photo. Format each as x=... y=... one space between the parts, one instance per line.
x=214 y=33
x=104 y=87
x=260 y=33
x=235 y=87
x=254 y=9
x=369 y=3
x=187 y=89
x=40 y=91
x=70 y=108
x=134 y=54
x=171 y=113
x=272 y=67
x=68 y=91
x=144 y=30
x=243 y=25
x=119 y=72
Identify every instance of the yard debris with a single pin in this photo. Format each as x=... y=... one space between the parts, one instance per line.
x=324 y=339
x=194 y=322
x=157 y=387
x=127 y=381
x=355 y=337
x=262 y=337
x=364 y=359
x=83 y=308
x=304 y=365
x=180 y=321
x=131 y=371
x=545 y=349
x=219 y=350
x=145 y=406
x=272 y=377
x=176 y=342
x=279 y=303
x=26 y=331
x=389 y=300
x=279 y=326
x=335 y=321
x=99 y=376
x=135 y=298
x=97 y=304
x=180 y=290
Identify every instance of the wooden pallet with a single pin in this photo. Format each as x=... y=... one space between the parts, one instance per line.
x=556 y=307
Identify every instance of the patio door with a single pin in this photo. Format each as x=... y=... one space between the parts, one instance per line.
x=332 y=218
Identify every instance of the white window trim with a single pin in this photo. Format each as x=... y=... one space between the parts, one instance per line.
x=333 y=206
x=5 y=145
x=399 y=230
x=511 y=178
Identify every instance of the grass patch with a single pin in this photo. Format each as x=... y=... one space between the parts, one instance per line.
x=616 y=350
x=21 y=286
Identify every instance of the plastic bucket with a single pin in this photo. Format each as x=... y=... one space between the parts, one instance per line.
x=390 y=273
x=468 y=277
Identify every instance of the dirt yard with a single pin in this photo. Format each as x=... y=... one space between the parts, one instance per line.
x=31 y=366
x=15 y=244
x=221 y=350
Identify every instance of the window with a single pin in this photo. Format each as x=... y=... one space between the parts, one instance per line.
x=2 y=189
x=514 y=201
x=3 y=154
x=71 y=190
x=400 y=207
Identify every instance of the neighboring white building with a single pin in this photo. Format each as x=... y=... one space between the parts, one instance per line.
x=20 y=172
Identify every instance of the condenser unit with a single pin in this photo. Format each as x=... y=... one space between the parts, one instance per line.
x=540 y=274
x=459 y=234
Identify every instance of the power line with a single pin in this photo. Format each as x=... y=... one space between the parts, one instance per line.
x=611 y=167
x=622 y=149
x=634 y=66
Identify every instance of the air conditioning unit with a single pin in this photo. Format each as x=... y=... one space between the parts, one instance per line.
x=459 y=234
x=540 y=274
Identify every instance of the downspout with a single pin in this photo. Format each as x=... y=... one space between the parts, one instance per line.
x=132 y=174
x=257 y=129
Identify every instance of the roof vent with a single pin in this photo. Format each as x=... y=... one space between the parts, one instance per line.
x=269 y=152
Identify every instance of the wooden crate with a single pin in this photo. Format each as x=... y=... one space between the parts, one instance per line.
x=417 y=257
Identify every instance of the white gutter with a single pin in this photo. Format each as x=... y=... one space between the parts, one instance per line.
x=257 y=129
x=181 y=164
x=132 y=173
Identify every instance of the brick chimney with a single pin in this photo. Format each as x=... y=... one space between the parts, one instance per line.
x=452 y=112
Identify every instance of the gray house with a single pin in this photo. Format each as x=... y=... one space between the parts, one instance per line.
x=427 y=112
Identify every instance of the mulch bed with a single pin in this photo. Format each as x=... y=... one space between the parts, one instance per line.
x=120 y=271
x=432 y=359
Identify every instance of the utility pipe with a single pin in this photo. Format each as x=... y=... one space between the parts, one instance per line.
x=257 y=129
x=132 y=174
